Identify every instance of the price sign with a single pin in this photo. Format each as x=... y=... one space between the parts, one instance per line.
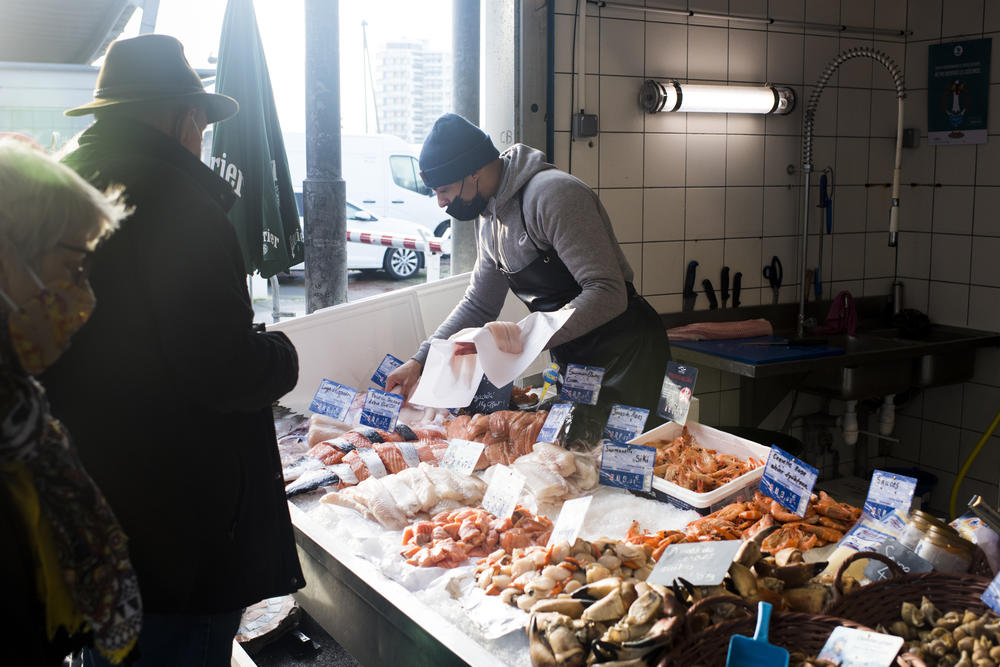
x=701 y=563
x=676 y=392
x=388 y=365
x=788 y=480
x=490 y=398
x=627 y=466
x=333 y=399
x=903 y=557
x=991 y=596
x=864 y=537
x=381 y=409
x=372 y=461
x=887 y=492
x=462 y=456
x=409 y=453
x=501 y=495
x=624 y=423
x=571 y=516
x=554 y=422
x=849 y=647
x=583 y=384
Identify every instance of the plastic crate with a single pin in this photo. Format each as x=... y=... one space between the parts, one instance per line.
x=741 y=488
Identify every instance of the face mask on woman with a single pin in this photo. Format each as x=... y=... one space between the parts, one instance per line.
x=40 y=328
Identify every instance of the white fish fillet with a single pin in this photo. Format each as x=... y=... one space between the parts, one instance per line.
x=345 y=500
x=373 y=494
x=555 y=458
x=446 y=506
x=423 y=487
x=543 y=483
x=472 y=488
x=404 y=496
x=445 y=483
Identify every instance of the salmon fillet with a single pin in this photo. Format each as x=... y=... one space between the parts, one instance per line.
x=391 y=457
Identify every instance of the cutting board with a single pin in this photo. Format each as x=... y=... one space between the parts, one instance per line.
x=738 y=350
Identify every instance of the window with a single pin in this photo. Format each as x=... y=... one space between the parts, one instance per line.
x=405 y=174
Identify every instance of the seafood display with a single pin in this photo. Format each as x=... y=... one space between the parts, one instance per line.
x=506 y=434
x=553 y=474
x=947 y=639
x=396 y=499
x=452 y=537
x=683 y=462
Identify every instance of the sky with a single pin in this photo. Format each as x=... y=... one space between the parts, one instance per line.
x=198 y=23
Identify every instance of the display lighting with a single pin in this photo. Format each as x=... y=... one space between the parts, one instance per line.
x=671 y=95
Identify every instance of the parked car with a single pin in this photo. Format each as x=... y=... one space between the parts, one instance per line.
x=398 y=263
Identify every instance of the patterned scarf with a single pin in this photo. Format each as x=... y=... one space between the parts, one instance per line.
x=90 y=543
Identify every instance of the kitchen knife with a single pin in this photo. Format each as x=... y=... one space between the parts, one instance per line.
x=724 y=287
x=690 y=296
x=710 y=294
x=737 y=286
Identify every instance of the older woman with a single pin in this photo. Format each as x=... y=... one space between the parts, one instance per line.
x=63 y=556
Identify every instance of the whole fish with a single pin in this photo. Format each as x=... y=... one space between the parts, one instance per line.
x=312 y=480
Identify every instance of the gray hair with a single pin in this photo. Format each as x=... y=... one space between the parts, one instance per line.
x=43 y=201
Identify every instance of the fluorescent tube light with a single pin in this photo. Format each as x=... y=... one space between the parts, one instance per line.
x=672 y=95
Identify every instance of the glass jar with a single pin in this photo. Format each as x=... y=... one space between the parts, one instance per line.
x=945 y=550
x=917 y=527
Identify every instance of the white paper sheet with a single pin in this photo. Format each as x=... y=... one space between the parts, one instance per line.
x=447 y=381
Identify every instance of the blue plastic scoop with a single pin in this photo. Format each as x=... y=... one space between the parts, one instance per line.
x=755 y=651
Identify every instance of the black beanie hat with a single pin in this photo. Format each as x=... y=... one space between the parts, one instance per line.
x=453 y=149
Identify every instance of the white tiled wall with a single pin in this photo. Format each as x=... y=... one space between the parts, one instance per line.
x=717 y=189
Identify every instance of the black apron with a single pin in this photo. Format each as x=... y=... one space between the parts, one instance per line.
x=632 y=348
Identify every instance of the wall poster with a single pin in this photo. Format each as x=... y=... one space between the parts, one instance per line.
x=958 y=90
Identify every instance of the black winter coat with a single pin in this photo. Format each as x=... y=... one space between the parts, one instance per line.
x=167 y=390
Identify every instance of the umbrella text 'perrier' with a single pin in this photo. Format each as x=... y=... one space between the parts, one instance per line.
x=249 y=153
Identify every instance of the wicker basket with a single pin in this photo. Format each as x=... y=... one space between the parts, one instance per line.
x=879 y=602
x=794 y=631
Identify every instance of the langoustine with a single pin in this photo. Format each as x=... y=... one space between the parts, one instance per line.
x=687 y=464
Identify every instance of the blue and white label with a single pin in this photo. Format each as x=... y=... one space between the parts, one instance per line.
x=991 y=596
x=788 y=480
x=333 y=399
x=849 y=647
x=554 y=422
x=676 y=392
x=627 y=466
x=888 y=492
x=583 y=384
x=625 y=423
x=863 y=537
x=381 y=409
x=388 y=365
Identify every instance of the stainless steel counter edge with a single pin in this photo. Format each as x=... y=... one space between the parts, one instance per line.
x=373 y=617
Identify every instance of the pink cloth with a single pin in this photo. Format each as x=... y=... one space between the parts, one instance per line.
x=842 y=318
x=721 y=330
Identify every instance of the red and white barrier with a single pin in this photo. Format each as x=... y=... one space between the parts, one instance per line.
x=432 y=249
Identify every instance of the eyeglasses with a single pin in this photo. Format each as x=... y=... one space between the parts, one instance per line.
x=82 y=271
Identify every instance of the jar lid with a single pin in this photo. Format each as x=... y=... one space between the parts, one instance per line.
x=952 y=538
x=929 y=519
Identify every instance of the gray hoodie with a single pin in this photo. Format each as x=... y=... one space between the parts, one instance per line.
x=560 y=212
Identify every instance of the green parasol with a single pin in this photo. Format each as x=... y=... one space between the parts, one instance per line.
x=249 y=152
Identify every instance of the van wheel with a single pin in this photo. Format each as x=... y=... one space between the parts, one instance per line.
x=442 y=228
x=401 y=263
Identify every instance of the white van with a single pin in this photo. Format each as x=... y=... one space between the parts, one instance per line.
x=382 y=176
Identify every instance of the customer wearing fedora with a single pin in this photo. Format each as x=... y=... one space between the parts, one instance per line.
x=545 y=236
x=168 y=387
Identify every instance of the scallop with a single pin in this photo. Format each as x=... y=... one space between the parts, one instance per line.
x=521 y=566
x=540 y=586
x=560 y=551
x=501 y=580
x=596 y=572
x=572 y=585
x=526 y=578
x=610 y=561
x=557 y=572
x=524 y=602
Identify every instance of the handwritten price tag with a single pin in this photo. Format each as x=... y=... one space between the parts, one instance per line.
x=583 y=384
x=905 y=558
x=627 y=466
x=570 y=520
x=625 y=422
x=381 y=409
x=502 y=493
x=489 y=398
x=887 y=492
x=701 y=563
x=788 y=480
x=461 y=456
x=676 y=392
x=554 y=422
x=333 y=399
x=388 y=365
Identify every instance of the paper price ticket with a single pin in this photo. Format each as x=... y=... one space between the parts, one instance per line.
x=701 y=563
x=627 y=466
x=462 y=455
x=388 y=365
x=554 y=422
x=788 y=480
x=888 y=492
x=571 y=517
x=503 y=492
x=381 y=409
x=624 y=423
x=582 y=384
x=850 y=647
x=333 y=399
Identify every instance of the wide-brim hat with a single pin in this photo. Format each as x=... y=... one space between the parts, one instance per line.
x=152 y=68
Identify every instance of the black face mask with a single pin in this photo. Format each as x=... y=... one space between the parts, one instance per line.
x=467 y=210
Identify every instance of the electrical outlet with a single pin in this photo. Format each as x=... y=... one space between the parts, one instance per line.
x=584 y=125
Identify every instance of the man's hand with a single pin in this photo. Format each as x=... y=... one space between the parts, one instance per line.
x=404 y=379
x=507 y=336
